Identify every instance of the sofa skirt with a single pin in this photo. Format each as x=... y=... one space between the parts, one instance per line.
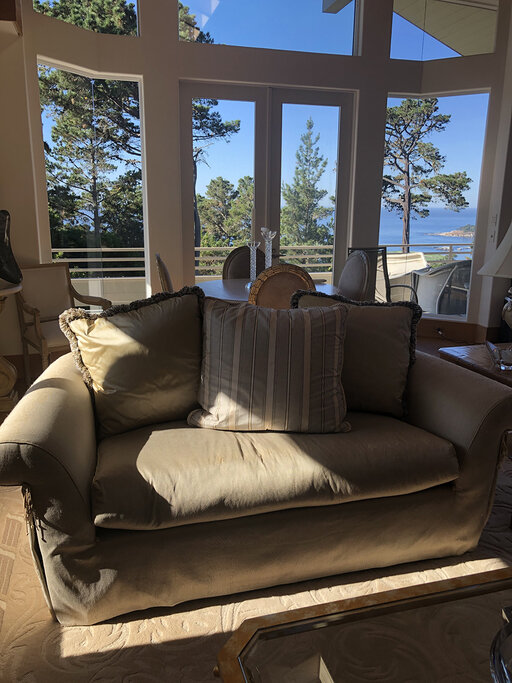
x=126 y=571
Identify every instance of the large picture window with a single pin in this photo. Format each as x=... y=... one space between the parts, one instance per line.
x=433 y=155
x=91 y=132
x=436 y=29
x=298 y=25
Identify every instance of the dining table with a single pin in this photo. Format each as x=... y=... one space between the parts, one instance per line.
x=238 y=289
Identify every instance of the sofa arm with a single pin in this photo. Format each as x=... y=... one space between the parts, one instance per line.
x=48 y=443
x=468 y=409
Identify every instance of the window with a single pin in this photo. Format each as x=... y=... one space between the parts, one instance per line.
x=116 y=16
x=299 y=25
x=436 y=29
x=432 y=162
x=308 y=185
x=223 y=156
x=265 y=157
x=91 y=132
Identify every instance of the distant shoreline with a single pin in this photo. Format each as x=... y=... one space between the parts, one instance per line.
x=465 y=231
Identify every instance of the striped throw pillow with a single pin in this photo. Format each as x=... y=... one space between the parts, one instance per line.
x=266 y=369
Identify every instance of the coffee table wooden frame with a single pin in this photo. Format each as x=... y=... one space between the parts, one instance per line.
x=351 y=609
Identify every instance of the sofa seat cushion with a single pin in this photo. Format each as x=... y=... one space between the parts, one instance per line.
x=172 y=474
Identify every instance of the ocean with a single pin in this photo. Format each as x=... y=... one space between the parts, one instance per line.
x=424 y=230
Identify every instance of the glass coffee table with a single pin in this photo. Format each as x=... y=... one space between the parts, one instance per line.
x=440 y=631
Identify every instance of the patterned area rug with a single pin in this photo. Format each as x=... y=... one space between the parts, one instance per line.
x=180 y=644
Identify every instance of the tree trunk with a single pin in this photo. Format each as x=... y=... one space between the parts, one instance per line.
x=95 y=204
x=406 y=218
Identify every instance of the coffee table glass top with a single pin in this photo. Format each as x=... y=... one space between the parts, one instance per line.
x=413 y=634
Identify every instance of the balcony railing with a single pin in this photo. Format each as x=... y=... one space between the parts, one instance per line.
x=115 y=262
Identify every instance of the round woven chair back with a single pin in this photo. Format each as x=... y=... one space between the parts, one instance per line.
x=273 y=288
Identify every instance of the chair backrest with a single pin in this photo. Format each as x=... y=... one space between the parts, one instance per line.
x=163 y=274
x=355 y=277
x=47 y=287
x=444 y=290
x=401 y=268
x=273 y=288
x=430 y=286
x=237 y=264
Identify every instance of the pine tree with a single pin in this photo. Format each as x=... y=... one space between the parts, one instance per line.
x=414 y=179
x=214 y=208
x=95 y=131
x=239 y=222
x=303 y=218
x=67 y=97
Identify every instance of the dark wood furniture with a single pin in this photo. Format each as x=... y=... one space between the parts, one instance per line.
x=478 y=359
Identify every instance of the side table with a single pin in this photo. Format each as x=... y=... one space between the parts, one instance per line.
x=8 y=374
x=478 y=359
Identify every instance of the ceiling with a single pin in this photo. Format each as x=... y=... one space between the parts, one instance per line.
x=466 y=26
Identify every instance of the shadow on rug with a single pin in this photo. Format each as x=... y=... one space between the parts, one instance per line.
x=180 y=644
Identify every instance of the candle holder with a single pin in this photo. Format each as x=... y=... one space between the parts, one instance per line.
x=268 y=236
x=252 y=252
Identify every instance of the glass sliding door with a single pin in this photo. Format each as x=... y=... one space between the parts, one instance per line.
x=265 y=157
x=309 y=160
x=223 y=160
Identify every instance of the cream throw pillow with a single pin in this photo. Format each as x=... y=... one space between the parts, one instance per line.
x=142 y=361
x=268 y=369
x=380 y=346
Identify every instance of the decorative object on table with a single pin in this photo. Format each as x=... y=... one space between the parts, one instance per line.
x=274 y=287
x=237 y=263
x=502 y=357
x=47 y=292
x=163 y=275
x=268 y=236
x=253 y=246
x=9 y=269
x=500 y=265
x=500 y=658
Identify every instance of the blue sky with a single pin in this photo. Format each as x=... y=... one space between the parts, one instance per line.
x=300 y=24
x=240 y=22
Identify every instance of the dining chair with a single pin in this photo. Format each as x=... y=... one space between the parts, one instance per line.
x=354 y=282
x=163 y=274
x=444 y=290
x=237 y=263
x=47 y=292
x=378 y=285
x=273 y=288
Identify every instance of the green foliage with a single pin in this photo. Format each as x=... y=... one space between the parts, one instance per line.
x=103 y=16
x=303 y=218
x=226 y=212
x=122 y=212
x=188 y=30
x=97 y=132
x=413 y=179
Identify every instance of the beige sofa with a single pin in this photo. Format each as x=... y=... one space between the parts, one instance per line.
x=196 y=513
